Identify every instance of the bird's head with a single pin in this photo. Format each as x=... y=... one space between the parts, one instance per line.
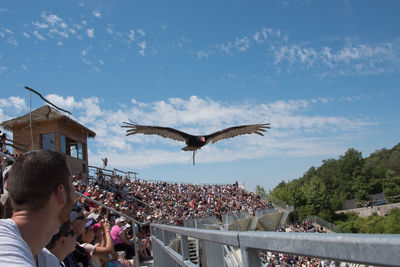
x=202 y=139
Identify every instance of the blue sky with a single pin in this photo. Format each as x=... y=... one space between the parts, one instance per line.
x=325 y=74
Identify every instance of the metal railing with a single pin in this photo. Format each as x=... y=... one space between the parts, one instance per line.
x=371 y=249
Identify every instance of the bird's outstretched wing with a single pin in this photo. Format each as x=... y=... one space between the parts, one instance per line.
x=134 y=128
x=237 y=130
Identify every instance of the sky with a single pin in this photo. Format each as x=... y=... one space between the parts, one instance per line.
x=325 y=74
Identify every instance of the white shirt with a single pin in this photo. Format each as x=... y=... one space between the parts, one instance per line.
x=90 y=248
x=14 y=251
x=47 y=259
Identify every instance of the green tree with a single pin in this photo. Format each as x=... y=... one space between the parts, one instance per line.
x=360 y=188
x=391 y=187
x=391 y=223
x=316 y=196
x=261 y=191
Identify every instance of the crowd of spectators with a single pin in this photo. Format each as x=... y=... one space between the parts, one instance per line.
x=272 y=259
x=164 y=202
x=304 y=227
x=96 y=236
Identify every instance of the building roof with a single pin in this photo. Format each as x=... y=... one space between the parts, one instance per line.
x=44 y=113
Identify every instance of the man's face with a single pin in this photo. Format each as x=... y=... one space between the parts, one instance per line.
x=79 y=224
x=69 y=242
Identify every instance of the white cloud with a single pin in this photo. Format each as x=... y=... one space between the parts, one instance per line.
x=242 y=44
x=39 y=25
x=52 y=19
x=349 y=59
x=141 y=32
x=109 y=30
x=142 y=45
x=131 y=36
x=26 y=35
x=294 y=130
x=13 y=102
x=90 y=33
x=38 y=35
x=96 y=13
x=203 y=54
x=12 y=41
x=231 y=75
x=9 y=31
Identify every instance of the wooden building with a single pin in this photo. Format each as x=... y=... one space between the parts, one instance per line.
x=51 y=130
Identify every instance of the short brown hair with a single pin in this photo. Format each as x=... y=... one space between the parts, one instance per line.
x=34 y=177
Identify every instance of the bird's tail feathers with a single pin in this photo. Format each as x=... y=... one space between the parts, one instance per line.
x=188 y=148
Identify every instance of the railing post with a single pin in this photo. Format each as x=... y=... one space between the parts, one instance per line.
x=136 y=242
x=214 y=253
x=250 y=257
x=185 y=247
x=163 y=237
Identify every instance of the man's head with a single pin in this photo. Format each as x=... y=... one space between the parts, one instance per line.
x=120 y=221
x=35 y=177
x=78 y=220
x=63 y=243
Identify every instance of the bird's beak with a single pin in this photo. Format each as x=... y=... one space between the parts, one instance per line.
x=202 y=139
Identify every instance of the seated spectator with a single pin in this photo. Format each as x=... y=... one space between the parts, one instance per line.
x=120 y=240
x=4 y=195
x=3 y=137
x=63 y=243
x=41 y=195
x=6 y=210
x=87 y=238
x=79 y=257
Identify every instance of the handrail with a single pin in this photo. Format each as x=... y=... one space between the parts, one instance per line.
x=109 y=208
x=7 y=156
x=373 y=249
x=226 y=237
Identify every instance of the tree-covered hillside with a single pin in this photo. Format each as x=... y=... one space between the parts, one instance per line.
x=321 y=191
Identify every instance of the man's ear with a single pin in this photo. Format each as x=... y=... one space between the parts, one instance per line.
x=60 y=194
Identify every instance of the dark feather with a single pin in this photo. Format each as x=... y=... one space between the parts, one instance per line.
x=237 y=130
x=134 y=128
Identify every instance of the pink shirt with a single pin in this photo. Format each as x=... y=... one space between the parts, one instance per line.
x=115 y=232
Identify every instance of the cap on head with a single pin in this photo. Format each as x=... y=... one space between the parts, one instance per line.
x=120 y=219
x=75 y=212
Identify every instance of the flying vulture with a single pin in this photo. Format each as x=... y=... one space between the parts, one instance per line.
x=195 y=142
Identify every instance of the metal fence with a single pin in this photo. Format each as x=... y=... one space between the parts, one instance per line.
x=371 y=249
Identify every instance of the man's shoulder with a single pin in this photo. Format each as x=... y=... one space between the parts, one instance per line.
x=14 y=251
x=46 y=258
x=8 y=228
